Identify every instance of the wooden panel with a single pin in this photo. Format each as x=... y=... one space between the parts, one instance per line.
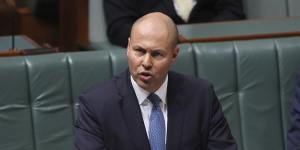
x=73 y=24
x=9 y=19
x=41 y=32
x=239 y=37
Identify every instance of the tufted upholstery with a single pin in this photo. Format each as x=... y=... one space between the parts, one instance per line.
x=253 y=79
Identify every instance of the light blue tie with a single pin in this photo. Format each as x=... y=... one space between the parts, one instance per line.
x=156 y=125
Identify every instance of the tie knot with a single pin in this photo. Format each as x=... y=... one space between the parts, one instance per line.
x=154 y=99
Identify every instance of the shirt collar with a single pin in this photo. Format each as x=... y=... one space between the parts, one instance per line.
x=143 y=94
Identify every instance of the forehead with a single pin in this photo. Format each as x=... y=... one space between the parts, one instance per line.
x=154 y=42
x=154 y=35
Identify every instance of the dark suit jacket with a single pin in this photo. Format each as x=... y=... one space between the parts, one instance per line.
x=121 y=14
x=293 y=142
x=110 y=117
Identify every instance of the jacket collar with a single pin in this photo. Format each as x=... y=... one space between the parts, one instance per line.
x=131 y=111
x=175 y=111
x=133 y=117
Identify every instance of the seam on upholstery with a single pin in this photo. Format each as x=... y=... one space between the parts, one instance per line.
x=30 y=104
x=192 y=46
x=71 y=93
x=276 y=47
x=236 y=61
x=110 y=62
x=287 y=2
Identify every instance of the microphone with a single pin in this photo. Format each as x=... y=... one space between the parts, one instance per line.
x=11 y=3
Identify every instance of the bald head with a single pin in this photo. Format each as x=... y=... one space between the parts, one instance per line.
x=157 y=23
x=152 y=48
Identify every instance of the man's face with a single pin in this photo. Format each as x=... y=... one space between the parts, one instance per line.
x=150 y=55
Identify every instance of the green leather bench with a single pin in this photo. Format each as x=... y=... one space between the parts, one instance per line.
x=253 y=79
x=228 y=31
x=242 y=27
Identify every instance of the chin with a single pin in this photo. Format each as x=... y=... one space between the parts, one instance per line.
x=144 y=85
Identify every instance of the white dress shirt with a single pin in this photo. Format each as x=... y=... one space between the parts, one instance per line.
x=146 y=105
x=184 y=8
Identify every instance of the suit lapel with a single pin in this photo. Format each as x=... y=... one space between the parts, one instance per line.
x=132 y=113
x=175 y=112
x=133 y=117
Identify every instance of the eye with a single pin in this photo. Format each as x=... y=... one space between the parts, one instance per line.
x=156 y=54
x=139 y=51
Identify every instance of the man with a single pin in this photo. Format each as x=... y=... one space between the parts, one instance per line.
x=121 y=14
x=294 y=130
x=149 y=107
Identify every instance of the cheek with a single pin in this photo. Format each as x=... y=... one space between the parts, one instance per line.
x=162 y=69
x=133 y=64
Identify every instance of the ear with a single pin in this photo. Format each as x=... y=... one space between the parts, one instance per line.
x=128 y=45
x=175 y=53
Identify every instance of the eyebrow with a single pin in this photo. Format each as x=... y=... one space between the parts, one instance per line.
x=137 y=47
x=142 y=48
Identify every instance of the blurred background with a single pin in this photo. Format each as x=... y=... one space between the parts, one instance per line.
x=74 y=25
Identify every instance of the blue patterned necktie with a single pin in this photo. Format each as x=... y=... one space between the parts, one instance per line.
x=156 y=124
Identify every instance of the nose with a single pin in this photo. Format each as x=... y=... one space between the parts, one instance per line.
x=147 y=62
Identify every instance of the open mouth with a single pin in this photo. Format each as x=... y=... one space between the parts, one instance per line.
x=145 y=76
